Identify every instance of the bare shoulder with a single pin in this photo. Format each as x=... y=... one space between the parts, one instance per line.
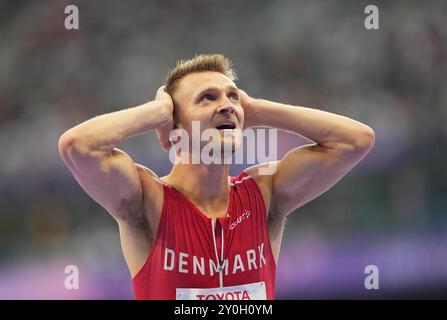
x=145 y=170
x=262 y=174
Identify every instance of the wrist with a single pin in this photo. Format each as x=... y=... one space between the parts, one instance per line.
x=161 y=111
x=254 y=111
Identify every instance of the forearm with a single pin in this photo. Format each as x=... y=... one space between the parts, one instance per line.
x=325 y=128
x=104 y=132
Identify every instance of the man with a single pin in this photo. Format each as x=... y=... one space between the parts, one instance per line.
x=198 y=233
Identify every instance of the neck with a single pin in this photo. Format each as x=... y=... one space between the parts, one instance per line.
x=207 y=186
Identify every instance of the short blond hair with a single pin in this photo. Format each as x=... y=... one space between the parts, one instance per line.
x=202 y=62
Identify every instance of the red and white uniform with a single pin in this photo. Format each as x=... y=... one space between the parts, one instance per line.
x=195 y=257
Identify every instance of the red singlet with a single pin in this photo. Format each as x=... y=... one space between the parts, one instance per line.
x=195 y=257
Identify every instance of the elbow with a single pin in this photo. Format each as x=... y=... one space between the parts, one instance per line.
x=69 y=145
x=365 y=140
x=361 y=142
x=65 y=143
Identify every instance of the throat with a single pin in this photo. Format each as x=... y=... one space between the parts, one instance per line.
x=213 y=210
x=208 y=187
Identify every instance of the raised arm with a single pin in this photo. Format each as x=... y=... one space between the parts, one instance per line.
x=307 y=171
x=106 y=173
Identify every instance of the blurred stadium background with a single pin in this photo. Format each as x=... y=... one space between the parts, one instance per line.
x=390 y=211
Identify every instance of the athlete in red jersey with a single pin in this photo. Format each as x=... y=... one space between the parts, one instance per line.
x=201 y=252
x=198 y=233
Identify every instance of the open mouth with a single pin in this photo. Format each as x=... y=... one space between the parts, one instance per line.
x=225 y=125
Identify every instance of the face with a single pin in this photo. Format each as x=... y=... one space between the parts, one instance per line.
x=213 y=100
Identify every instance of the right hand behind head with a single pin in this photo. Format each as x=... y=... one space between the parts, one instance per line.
x=163 y=131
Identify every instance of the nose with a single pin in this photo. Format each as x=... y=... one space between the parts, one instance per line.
x=226 y=109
